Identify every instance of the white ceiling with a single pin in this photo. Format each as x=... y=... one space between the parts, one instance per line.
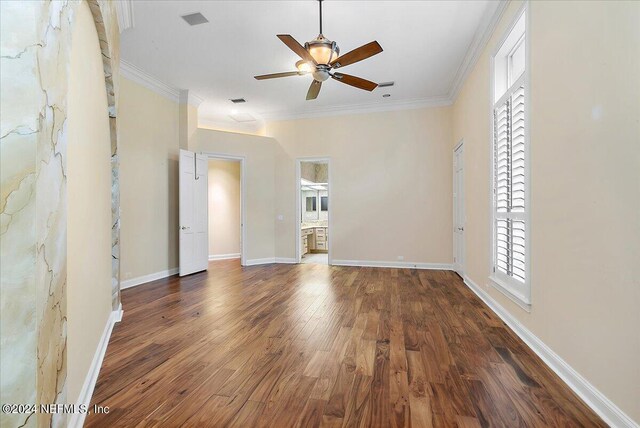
x=425 y=45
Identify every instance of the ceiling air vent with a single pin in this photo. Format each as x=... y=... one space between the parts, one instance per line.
x=386 y=84
x=238 y=100
x=195 y=19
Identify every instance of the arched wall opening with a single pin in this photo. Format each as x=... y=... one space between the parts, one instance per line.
x=89 y=202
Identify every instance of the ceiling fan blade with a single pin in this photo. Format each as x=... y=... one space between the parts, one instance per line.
x=314 y=90
x=357 y=82
x=276 y=75
x=358 y=54
x=293 y=44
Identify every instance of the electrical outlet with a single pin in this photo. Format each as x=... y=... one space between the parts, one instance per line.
x=280 y=217
x=400 y=258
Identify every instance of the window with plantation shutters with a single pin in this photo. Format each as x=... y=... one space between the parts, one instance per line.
x=509 y=184
x=510 y=151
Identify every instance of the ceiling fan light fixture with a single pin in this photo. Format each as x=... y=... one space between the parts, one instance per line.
x=321 y=73
x=322 y=50
x=304 y=67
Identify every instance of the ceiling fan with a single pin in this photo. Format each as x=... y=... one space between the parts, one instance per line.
x=320 y=56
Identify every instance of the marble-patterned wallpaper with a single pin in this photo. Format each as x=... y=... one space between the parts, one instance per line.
x=35 y=46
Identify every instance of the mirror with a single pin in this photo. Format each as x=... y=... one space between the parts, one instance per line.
x=314 y=197
x=311 y=203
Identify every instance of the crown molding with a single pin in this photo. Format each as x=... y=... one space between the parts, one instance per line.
x=360 y=108
x=484 y=32
x=188 y=97
x=124 y=10
x=143 y=78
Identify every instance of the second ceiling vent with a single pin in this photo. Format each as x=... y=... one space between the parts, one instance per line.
x=195 y=19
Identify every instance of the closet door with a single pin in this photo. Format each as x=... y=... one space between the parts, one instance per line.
x=458 y=210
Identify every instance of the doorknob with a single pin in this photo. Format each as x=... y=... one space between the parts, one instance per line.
x=185 y=227
x=461 y=229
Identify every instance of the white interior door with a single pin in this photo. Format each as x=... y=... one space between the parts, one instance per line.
x=193 y=213
x=458 y=210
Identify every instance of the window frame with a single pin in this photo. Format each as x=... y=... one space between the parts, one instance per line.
x=516 y=291
x=521 y=40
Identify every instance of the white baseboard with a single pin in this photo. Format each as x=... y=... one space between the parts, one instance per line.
x=147 y=278
x=359 y=263
x=270 y=260
x=264 y=261
x=224 y=256
x=77 y=419
x=595 y=399
x=402 y=265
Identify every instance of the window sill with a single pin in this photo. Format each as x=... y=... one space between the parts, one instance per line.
x=506 y=290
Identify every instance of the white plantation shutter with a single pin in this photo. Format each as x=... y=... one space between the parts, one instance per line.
x=509 y=185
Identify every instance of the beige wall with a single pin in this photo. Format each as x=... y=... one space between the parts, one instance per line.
x=259 y=155
x=585 y=200
x=188 y=124
x=391 y=183
x=376 y=158
x=224 y=207
x=89 y=207
x=149 y=146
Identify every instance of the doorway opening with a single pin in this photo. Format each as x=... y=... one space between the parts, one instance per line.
x=313 y=206
x=225 y=208
x=458 y=209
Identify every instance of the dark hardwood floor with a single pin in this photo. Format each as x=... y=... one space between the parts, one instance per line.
x=314 y=345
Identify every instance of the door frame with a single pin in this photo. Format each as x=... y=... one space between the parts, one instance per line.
x=458 y=266
x=298 y=222
x=243 y=194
